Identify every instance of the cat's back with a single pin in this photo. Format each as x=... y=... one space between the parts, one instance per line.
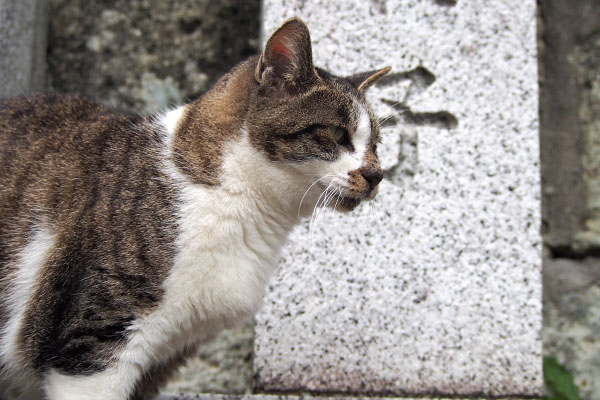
x=83 y=204
x=53 y=128
x=29 y=122
x=58 y=154
x=50 y=136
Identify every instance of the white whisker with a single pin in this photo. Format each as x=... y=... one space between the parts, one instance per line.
x=379 y=210
x=306 y=192
x=339 y=197
x=325 y=204
x=374 y=209
x=313 y=215
x=316 y=211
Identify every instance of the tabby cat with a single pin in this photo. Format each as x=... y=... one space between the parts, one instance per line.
x=126 y=241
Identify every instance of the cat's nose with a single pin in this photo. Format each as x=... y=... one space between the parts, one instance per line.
x=372 y=174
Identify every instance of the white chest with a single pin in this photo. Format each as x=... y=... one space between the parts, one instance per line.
x=226 y=250
x=227 y=246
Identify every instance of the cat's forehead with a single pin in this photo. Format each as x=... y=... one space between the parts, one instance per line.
x=335 y=99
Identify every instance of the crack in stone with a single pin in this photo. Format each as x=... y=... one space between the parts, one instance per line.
x=446 y=3
x=438 y=119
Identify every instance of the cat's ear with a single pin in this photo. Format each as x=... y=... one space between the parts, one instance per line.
x=362 y=80
x=286 y=60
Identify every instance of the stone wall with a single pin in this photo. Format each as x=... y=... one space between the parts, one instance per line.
x=144 y=55
x=22 y=46
x=569 y=48
x=437 y=287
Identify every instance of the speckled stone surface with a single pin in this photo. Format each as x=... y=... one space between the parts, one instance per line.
x=436 y=287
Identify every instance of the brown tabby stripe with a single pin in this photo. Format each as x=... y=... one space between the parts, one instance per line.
x=98 y=187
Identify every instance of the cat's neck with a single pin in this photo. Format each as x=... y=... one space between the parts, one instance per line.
x=209 y=123
x=269 y=187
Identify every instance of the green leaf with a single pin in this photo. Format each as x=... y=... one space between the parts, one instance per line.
x=559 y=381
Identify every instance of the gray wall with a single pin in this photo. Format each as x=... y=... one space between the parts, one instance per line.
x=22 y=46
x=569 y=49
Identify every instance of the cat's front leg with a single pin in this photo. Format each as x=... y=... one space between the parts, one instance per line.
x=115 y=383
x=121 y=382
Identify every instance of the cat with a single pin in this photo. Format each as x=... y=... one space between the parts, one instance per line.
x=126 y=241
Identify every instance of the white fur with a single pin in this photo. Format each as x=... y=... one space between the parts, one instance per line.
x=114 y=383
x=228 y=243
x=29 y=261
x=170 y=121
x=361 y=136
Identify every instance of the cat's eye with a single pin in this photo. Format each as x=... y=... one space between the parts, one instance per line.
x=339 y=135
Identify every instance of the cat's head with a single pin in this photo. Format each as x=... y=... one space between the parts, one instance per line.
x=317 y=124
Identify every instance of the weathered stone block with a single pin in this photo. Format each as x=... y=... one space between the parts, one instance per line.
x=437 y=287
x=570 y=126
x=23 y=28
x=572 y=319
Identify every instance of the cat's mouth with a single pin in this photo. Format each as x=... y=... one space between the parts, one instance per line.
x=344 y=202
x=349 y=203
x=343 y=199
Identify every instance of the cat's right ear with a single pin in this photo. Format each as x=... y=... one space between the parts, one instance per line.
x=286 y=61
x=363 y=80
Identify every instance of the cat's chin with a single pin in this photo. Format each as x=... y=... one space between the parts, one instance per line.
x=348 y=204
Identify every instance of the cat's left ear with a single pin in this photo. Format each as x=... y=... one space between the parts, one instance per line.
x=286 y=61
x=363 y=80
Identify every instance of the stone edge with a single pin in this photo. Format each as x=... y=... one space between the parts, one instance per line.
x=214 y=396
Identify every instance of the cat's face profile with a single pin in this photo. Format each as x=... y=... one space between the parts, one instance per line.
x=316 y=125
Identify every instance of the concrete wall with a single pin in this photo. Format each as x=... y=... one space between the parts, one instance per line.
x=569 y=48
x=23 y=29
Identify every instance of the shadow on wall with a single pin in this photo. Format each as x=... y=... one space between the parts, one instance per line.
x=405 y=120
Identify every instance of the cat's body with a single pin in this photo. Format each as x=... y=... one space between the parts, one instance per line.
x=125 y=242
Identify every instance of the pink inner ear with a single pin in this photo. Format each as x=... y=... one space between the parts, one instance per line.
x=280 y=51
